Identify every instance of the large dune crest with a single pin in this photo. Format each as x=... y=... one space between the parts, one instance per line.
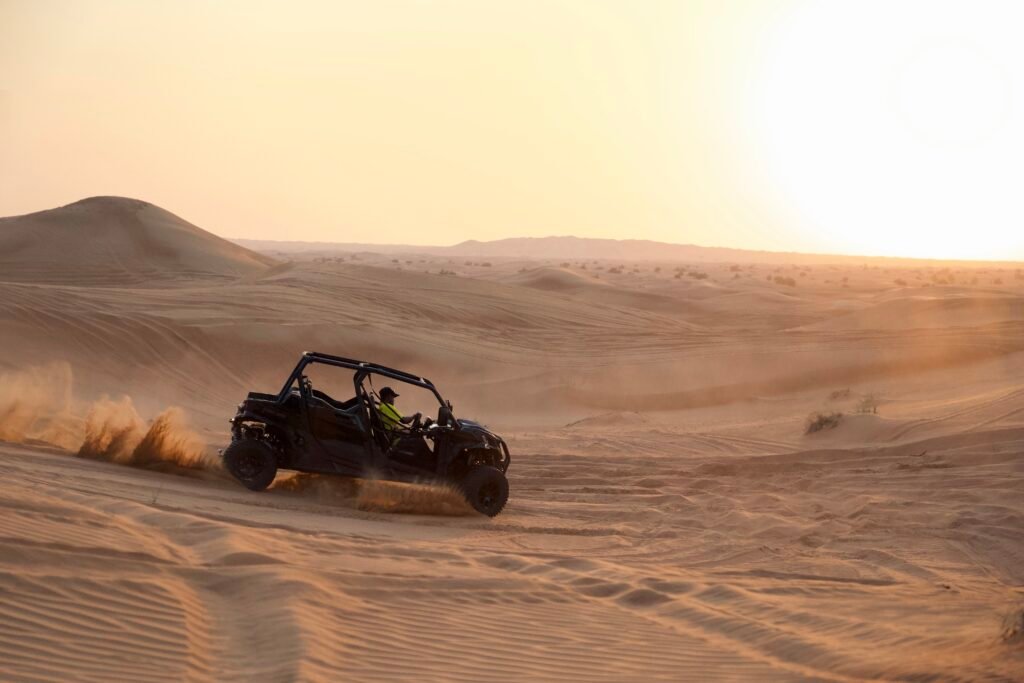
x=116 y=240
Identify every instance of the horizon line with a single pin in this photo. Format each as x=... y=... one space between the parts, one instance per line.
x=805 y=254
x=395 y=245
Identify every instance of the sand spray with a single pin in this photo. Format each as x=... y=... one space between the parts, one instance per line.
x=378 y=495
x=37 y=406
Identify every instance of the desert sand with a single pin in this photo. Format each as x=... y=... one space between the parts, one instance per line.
x=670 y=517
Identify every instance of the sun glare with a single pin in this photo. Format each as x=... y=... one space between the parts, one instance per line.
x=894 y=130
x=952 y=94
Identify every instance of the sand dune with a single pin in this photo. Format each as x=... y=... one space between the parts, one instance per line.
x=670 y=519
x=595 y=291
x=815 y=565
x=115 y=240
x=556 y=280
x=930 y=313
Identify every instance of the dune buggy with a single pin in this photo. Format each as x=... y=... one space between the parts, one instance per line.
x=302 y=428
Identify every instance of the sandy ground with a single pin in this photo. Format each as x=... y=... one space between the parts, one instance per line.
x=669 y=519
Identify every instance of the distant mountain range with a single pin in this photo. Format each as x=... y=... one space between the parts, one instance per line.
x=582 y=248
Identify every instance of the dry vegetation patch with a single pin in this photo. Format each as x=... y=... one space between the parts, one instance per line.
x=817 y=422
x=1013 y=628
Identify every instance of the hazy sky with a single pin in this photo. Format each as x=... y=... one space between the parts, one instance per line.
x=879 y=128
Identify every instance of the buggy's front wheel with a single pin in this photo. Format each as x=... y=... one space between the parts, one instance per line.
x=486 y=489
x=251 y=462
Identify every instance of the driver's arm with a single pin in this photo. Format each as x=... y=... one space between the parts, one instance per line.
x=408 y=419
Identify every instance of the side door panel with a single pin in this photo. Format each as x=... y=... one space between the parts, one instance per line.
x=342 y=436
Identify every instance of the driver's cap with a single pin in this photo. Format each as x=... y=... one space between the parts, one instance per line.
x=388 y=391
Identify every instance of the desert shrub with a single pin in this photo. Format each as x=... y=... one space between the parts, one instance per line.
x=787 y=281
x=565 y=264
x=658 y=269
x=998 y=281
x=817 y=422
x=394 y=260
x=838 y=394
x=1013 y=627
x=697 y=275
x=900 y=282
x=486 y=264
x=868 y=404
x=615 y=270
x=734 y=269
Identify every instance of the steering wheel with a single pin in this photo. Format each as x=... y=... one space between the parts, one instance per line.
x=416 y=424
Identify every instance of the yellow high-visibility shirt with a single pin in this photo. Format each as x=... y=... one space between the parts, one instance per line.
x=390 y=416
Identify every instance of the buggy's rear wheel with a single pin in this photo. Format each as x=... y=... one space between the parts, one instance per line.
x=486 y=489
x=251 y=462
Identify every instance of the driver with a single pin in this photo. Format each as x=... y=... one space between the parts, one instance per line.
x=389 y=415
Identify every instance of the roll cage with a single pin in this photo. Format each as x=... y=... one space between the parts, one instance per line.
x=363 y=370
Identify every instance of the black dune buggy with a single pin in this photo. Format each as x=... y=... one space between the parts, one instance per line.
x=302 y=428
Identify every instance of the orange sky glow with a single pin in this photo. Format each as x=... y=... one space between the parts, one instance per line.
x=879 y=128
